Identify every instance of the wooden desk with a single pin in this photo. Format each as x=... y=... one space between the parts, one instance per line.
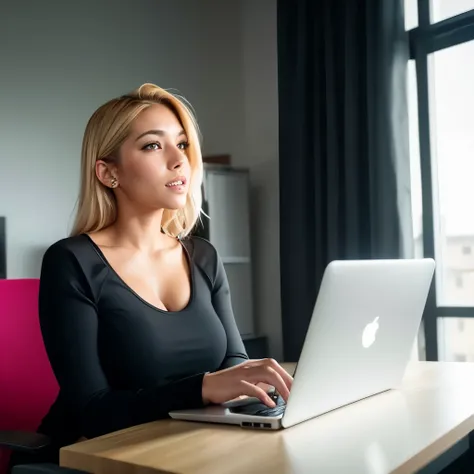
x=395 y=432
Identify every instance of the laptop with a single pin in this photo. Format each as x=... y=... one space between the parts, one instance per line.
x=358 y=344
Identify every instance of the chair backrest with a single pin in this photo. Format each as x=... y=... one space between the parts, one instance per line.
x=27 y=383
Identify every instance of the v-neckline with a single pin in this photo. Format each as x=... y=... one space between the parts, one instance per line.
x=129 y=288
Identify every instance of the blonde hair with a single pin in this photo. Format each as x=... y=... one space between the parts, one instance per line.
x=105 y=132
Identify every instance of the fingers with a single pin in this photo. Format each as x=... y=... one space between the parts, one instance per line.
x=253 y=391
x=275 y=365
x=276 y=371
x=272 y=377
x=288 y=379
x=247 y=375
x=265 y=386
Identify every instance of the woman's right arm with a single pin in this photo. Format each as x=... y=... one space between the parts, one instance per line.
x=69 y=324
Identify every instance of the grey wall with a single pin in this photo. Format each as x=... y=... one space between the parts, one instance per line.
x=260 y=74
x=61 y=60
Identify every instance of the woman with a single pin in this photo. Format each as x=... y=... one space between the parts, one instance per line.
x=136 y=315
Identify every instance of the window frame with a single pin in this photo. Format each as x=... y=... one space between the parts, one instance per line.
x=425 y=39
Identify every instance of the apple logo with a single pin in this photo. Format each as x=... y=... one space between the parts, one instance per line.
x=370 y=331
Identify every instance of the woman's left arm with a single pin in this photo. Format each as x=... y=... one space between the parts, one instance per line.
x=221 y=300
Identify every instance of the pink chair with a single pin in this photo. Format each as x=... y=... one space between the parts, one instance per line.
x=27 y=383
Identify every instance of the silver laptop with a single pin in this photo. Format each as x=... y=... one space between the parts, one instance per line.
x=358 y=344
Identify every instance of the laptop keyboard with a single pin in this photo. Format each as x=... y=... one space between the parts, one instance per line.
x=260 y=409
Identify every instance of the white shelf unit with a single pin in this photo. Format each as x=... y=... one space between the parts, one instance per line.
x=226 y=193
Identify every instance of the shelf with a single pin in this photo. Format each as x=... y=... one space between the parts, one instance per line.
x=226 y=202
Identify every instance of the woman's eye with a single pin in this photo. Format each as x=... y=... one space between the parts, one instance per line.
x=183 y=145
x=152 y=146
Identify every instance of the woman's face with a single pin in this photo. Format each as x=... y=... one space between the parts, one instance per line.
x=153 y=170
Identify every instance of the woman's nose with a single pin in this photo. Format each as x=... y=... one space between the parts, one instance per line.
x=175 y=158
x=178 y=164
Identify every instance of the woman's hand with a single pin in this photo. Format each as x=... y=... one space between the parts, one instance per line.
x=264 y=386
x=242 y=379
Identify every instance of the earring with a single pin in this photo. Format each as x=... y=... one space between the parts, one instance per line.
x=113 y=182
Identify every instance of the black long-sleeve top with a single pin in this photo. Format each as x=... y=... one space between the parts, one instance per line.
x=120 y=361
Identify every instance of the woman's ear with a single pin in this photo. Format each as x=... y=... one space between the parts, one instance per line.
x=106 y=173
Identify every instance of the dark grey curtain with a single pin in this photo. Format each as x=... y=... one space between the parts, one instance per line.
x=344 y=163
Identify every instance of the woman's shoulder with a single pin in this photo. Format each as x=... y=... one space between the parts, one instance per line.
x=202 y=248
x=72 y=263
x=74 y=245
x=72 y=254
x=203 y=254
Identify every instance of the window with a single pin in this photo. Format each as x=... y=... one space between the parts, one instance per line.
x=452 y=122
x=443 y=9
x=411 y=14
x=441 y=120
x=456 y=339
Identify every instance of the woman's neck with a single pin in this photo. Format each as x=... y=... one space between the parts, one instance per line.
x=141 y=231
